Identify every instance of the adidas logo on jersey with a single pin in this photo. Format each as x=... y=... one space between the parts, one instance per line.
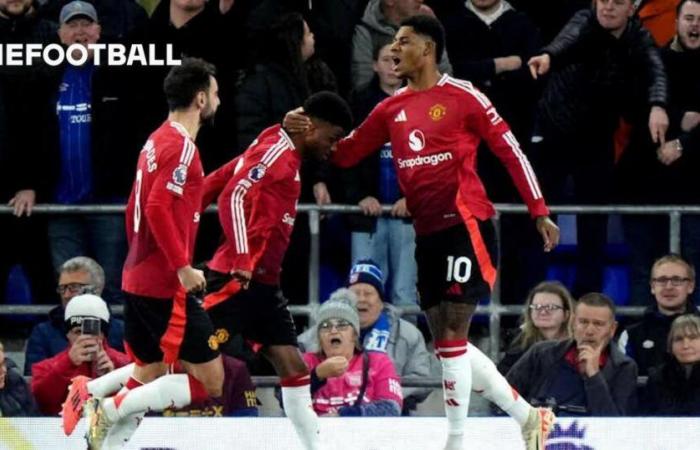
x=401 y=117
x=455 y=289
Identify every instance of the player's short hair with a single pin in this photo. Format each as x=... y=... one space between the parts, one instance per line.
x=329 y=107
x=597 y=299
x=429 y=27
x=184 y=82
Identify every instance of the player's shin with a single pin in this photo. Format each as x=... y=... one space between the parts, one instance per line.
x=296 y=396
x=457 y=384
x=176 y=391
x=111 y=382
x=488 y=381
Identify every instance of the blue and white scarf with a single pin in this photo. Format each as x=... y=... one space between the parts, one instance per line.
x=376 y=338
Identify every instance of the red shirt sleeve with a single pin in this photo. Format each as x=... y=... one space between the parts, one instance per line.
x=242 y=206
x=363 y=140
x=485 y=121
x=215 y=182
x=159 y=211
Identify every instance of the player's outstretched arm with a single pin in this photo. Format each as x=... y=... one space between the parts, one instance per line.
x=215 y=182
x=362 y=141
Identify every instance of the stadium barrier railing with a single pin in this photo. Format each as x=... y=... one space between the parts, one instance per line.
x=494 y=309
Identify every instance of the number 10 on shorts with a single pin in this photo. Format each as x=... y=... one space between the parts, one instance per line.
x=459 y=269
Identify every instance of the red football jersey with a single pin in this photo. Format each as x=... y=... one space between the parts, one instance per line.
x=163 y=212
x=434 y=138
x=258 y=206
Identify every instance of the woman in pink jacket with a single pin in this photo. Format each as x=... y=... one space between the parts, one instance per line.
x=345 y=379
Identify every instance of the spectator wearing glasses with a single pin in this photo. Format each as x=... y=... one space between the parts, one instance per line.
x=674 y=388
x=79 y=275
x=346 y=380
x=583 y=376
x=672 y=283
x=382 y=329
x=547 y=317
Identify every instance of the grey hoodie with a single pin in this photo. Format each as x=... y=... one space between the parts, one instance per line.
x=373 y=26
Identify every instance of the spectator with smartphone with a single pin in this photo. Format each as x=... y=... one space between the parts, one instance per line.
x=86 y=321
x=79 y=275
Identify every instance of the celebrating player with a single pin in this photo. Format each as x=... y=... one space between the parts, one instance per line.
x=435 y=125
x=164 y=324
x=257 y=209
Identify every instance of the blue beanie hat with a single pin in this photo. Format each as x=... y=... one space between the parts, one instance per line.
x=367 y=271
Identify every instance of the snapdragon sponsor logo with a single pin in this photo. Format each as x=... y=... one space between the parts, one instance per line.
x=428 y=160
x=79 y=54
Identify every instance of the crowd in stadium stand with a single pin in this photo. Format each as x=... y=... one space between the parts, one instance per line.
x=607 y=112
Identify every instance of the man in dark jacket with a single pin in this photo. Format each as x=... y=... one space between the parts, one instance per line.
x=603 y=66
x=24 y=162
x=79 y=275
x=550 y=15
x=672 y=282
x=15 y=398
x=666 y=174
x=586 y=375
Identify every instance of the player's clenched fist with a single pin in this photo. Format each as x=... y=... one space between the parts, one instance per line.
x=191 y=279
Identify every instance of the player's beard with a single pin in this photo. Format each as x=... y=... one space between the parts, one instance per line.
x=206 y=117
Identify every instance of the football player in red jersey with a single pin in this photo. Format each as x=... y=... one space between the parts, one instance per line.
x=164 y=323
x=257 y=198
x=435 y=125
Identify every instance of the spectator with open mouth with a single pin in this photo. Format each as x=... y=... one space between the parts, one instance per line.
x=345 y=379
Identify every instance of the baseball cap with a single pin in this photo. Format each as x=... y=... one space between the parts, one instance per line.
x=367 y=271
x=77 y=8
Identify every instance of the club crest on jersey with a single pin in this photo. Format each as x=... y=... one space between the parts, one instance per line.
x=416 y=140
x=257 y=172
x=437 y=112
x=222 y=335
x=180 y=175
x=213 y=343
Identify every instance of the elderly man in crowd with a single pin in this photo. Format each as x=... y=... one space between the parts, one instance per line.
x=79 y=275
